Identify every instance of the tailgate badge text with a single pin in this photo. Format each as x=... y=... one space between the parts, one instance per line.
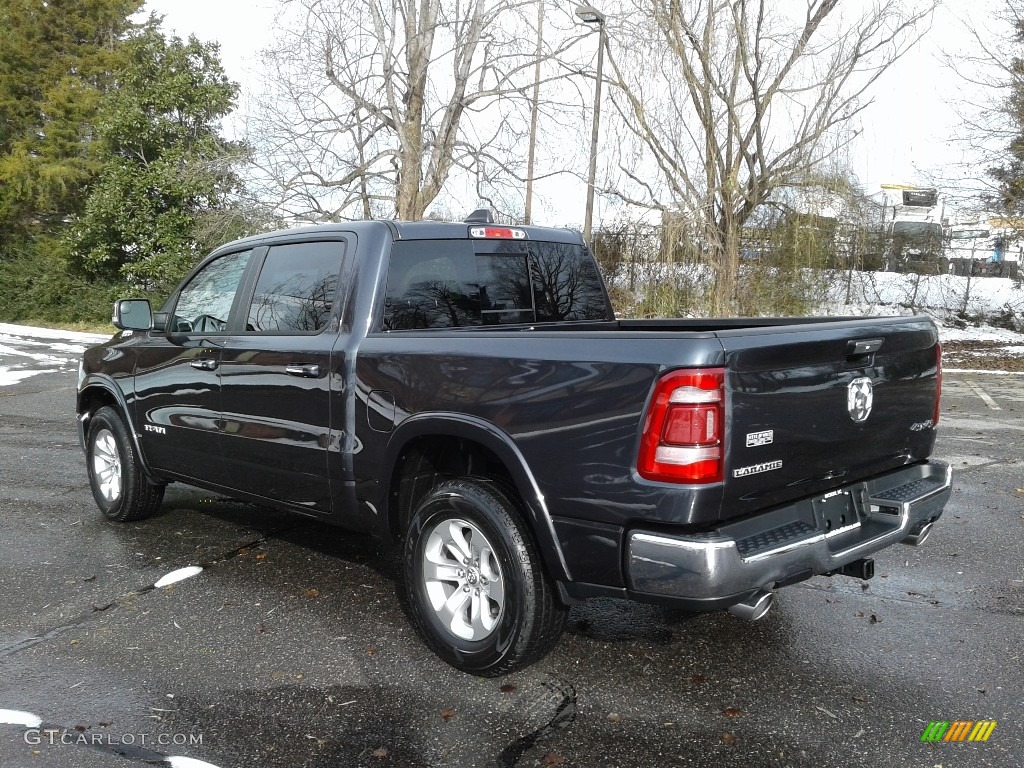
x=757 y=439
x=755 y=469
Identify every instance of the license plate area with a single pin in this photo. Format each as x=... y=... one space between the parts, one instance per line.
x=837 y=513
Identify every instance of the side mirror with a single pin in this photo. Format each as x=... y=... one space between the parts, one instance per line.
x=132 y=315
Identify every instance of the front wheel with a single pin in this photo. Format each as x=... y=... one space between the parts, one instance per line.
x=478 y=592
x=120 y=488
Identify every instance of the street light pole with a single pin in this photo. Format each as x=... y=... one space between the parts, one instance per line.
x=590 y=15
x=534 y=110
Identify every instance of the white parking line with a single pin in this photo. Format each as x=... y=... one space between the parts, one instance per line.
x=983 y=395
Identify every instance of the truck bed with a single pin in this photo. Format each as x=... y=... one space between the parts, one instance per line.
x=581 y=403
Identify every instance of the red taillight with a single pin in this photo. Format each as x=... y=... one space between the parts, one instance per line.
x=682 y=440
x=938 y=383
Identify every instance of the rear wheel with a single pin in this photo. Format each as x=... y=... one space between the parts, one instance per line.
x=477 y=589
x=118 y=485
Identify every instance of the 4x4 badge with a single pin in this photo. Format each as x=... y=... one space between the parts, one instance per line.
x=859 y=397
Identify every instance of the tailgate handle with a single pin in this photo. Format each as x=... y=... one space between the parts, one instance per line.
x=862 y=347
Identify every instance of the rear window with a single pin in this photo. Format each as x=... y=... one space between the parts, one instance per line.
x=456 y=283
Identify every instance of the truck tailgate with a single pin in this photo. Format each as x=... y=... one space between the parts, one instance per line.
x=813 y=407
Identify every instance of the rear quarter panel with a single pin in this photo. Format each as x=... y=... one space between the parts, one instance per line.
x=572 y=403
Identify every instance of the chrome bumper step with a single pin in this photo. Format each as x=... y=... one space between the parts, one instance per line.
x=812 y=536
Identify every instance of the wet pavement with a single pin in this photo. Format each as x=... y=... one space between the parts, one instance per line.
x=292 y=646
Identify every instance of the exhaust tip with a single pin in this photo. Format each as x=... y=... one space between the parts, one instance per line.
x=754 y=607
x=920 y=536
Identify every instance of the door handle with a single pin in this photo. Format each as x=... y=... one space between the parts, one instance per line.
x=204 y=365
x=309 y=371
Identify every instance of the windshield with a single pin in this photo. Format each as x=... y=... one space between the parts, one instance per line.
x=916 y=229
x=921 y=198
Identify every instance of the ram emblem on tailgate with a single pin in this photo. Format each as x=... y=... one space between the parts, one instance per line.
x=859 y=397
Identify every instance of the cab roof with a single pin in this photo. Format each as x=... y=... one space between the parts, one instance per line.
x=414 y=230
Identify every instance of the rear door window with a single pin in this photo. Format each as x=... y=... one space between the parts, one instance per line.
x=297 y=288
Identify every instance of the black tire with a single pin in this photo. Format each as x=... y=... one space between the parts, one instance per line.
x=491 y=631
x=118 y=485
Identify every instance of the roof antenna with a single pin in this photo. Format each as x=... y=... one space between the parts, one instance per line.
x=480 y=216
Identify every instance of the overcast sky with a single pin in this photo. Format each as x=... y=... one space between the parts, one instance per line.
x=904 y=134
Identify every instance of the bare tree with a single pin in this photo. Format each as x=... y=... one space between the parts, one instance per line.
x=733 y=99
x=989 y=63
x=372 y=105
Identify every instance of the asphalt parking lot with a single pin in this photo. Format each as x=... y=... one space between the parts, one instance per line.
x=292 y=647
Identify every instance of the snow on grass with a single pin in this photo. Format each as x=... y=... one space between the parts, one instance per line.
x=981 y=296
x=983 y=371
x=949 y=299
x=980 y=333
x=52 y=333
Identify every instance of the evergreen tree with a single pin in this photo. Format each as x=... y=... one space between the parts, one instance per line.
x=57 y=59
x=163 y=164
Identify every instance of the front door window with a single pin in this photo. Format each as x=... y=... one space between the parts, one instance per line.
x=205 y=303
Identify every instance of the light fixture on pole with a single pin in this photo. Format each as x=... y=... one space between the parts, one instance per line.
x=588 y=14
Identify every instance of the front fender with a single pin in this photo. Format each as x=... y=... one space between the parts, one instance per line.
x=97 y=390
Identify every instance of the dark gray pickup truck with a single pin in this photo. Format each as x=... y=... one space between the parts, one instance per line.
x=465 y=390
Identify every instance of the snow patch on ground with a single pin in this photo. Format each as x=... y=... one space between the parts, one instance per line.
x=75 y=349
x=187 y=762
x=17 y=717
x=39 y=357
x=10 y=376
x=179 y=575
x=26 y=351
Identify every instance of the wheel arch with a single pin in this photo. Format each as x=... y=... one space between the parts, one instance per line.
x=429 y=447
x=97 y=391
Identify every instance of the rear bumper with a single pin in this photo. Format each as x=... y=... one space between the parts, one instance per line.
x=807 y=538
